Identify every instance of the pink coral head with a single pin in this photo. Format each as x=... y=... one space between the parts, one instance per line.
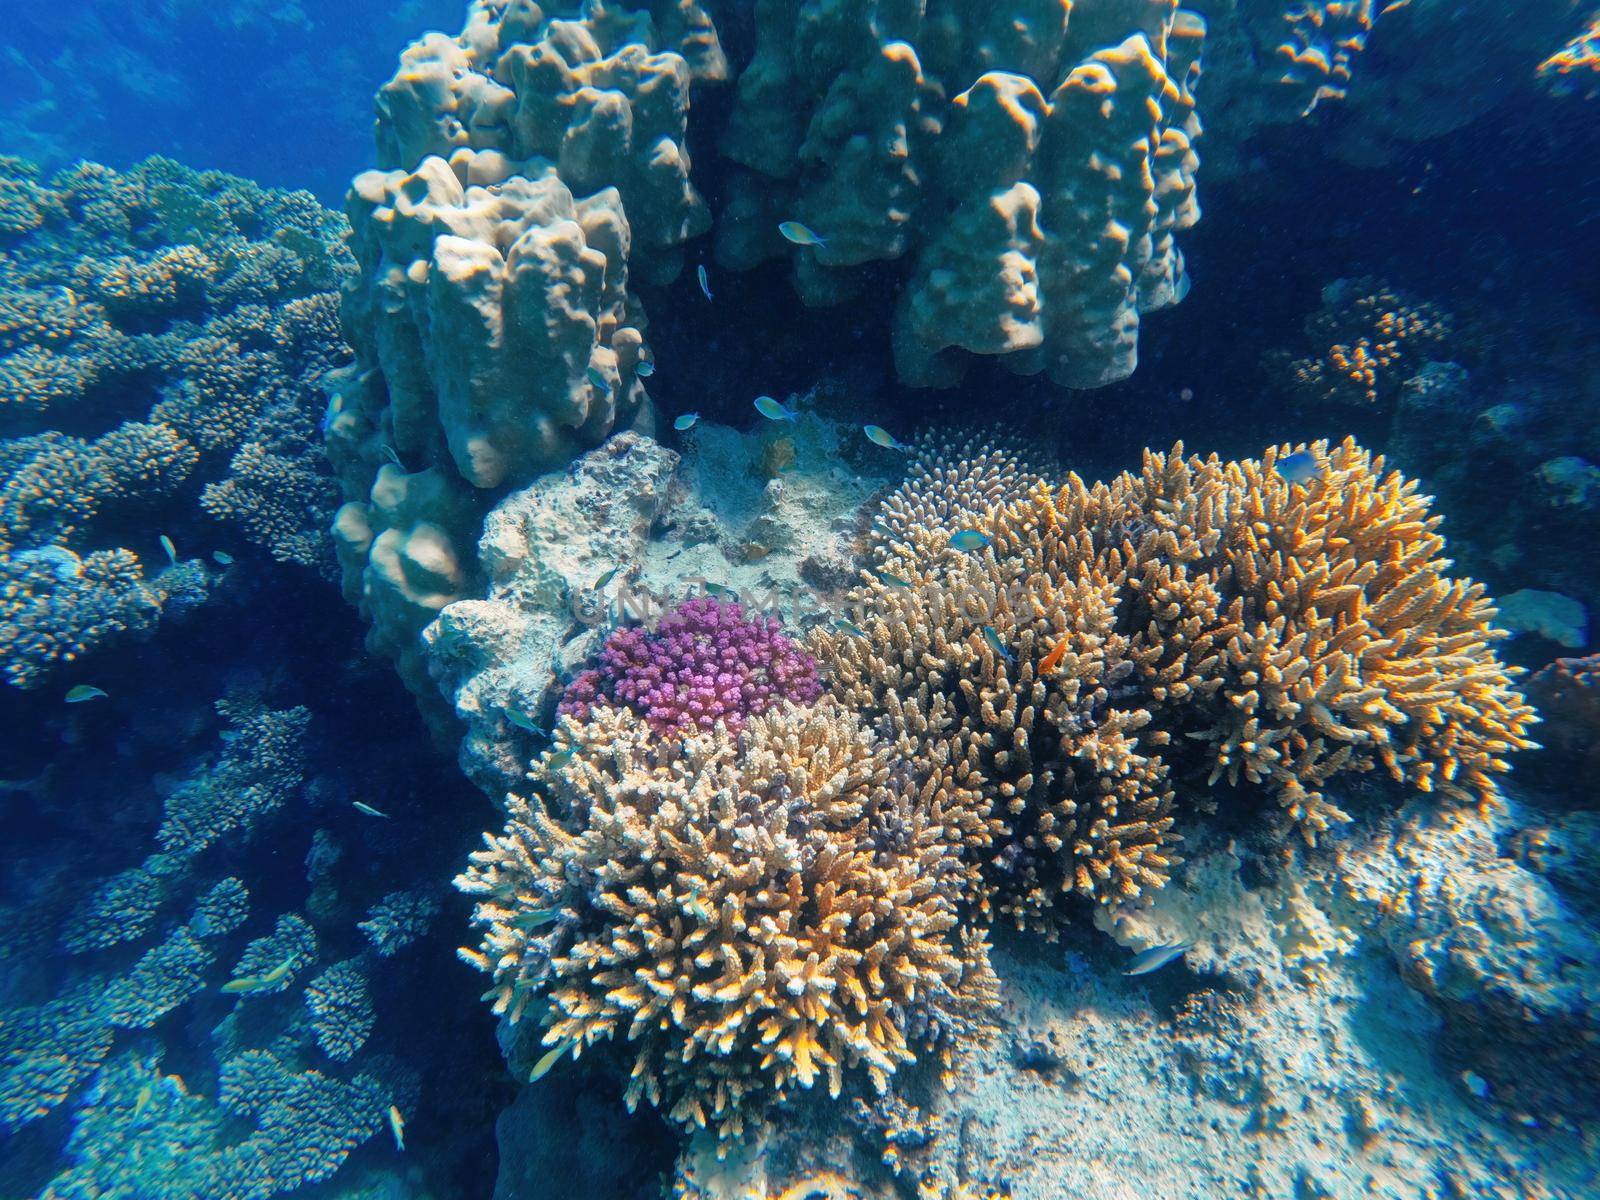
x=705 y=662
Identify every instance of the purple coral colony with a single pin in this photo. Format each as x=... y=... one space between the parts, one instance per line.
x=756 y=606
x=707 y=661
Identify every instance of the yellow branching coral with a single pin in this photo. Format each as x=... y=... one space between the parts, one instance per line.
x=1575 y=68
x=1194 y=619
x=750 y=914
x=1367 y=338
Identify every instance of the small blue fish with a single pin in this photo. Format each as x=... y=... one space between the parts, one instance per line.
x=892 y=580
x=363 y=807
x=968 y=540
x=799 y=234
x=1300 y=467
x=718 y=589
x=705 y=284
x=992 y=637
x=1155 y=958
x=82 y=692
x=686 y=422
x=393 y=456
x=223 y=557
x=522 y=720
x=645 y=368
x=559 y=759
x=1476 y=1084
x=606 y=578
x=597 y=377
x=172 y=551
x=331 y=413
x=879 y=436
x=773 y=411
x=850 y=627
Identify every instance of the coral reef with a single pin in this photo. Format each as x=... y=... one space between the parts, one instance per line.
x=1032 y=168
x=1196 y=619
x=1423 y=51
x=1323 y=40
x=260 y=763
x=750 y=912
x=524 y=168
x=162 y=333
x=495 y=307
x=1282 y=1056
x=1497 y=389
x=187 y=961
x=544 y=548
x=303 y=1125
x=706 y=662
x=628 y=530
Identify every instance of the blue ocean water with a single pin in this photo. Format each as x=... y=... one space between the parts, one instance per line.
x=444 y=547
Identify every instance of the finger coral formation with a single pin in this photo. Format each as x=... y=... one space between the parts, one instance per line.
x=1324 y=38
x=525 y=166
x=1197 y=619
x=747 y=913
x=1031 y=164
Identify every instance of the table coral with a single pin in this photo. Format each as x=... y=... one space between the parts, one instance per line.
x=749 y=913
x=705 y=662
x=1193 y=619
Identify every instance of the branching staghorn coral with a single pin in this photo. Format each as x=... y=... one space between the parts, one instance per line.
x=749 y=913
x=1196 y=619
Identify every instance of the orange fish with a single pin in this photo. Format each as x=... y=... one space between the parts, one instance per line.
x=1053 y=660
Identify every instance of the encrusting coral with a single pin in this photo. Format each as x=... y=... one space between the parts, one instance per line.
x=1198 y=618
x=749 y=913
